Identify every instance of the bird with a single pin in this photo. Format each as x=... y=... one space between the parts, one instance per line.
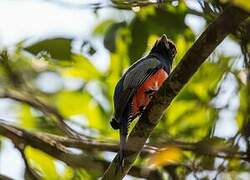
x=138 y=85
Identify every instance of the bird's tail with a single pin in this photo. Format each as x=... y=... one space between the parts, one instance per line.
x=123 y=139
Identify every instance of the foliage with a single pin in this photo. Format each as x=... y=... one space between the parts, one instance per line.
x=192 y=118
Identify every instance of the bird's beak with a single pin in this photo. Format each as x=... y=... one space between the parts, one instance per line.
x=163 y=38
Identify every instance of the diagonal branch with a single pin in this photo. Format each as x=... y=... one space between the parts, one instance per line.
x=226 y=23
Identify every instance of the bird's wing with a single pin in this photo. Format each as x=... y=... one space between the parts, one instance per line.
x=136 y=75
x=132 y=80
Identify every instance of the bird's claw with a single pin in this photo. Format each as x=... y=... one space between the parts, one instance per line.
x=121 y=164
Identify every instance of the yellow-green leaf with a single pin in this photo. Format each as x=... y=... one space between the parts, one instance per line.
x=72 y=103
x=26 y=117
x=58 y=48
x=245 y=4
x=81 y=67
x=166 y=156
x=42 y=162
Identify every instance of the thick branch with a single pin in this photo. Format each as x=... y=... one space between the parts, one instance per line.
x=226 y=23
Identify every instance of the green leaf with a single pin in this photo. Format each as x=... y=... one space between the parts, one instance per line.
x=81 y=67
x=166 y=156
x=241 y=116
x=203 y=86
x=57 y=48
x=169 y=21
x=158 y=21
x=216 y=145
x=139 y=36
x=103 y=26
x=80 y=174
x=185 y=120
x=72 y=103
x=68 y=173
x=191 y=115
x=42 y=162
x=26 y=117
x=245 y=4
x=111 y=34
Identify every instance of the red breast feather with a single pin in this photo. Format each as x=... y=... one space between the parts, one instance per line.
x=141 y=99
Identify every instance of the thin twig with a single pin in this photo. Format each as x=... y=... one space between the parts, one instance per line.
x=3 y=177
x=127 y=5
x=44 y=108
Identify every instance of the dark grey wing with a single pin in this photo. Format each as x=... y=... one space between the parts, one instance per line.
x=139 y=72
x=131 y=80
x=121 y=100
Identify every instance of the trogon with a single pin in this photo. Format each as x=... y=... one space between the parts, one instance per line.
x=138 y=85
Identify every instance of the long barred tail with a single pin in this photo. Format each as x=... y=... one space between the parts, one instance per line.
x=123 y=139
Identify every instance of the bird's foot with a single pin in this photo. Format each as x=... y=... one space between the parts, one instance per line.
x=120 y=165
x=150 y=92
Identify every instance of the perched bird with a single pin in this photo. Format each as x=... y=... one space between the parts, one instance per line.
x=138 y=85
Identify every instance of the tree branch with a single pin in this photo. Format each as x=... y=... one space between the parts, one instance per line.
x=25 y=97
x=52 y=146
x=126 y=5
x=43 y=141
x=208 y=148
x=91 y=144
x=226 y=23
x=5 y=177
x=45 y=109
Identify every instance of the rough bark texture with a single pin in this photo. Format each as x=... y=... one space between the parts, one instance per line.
x=226 y=23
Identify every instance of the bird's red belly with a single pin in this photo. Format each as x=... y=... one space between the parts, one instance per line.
x=141 y=99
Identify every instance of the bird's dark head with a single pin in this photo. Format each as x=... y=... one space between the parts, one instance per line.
x=165 y=48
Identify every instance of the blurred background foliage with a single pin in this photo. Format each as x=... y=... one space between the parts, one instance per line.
x=55 y=73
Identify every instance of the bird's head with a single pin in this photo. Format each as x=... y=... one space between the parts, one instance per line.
x=165 y=47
